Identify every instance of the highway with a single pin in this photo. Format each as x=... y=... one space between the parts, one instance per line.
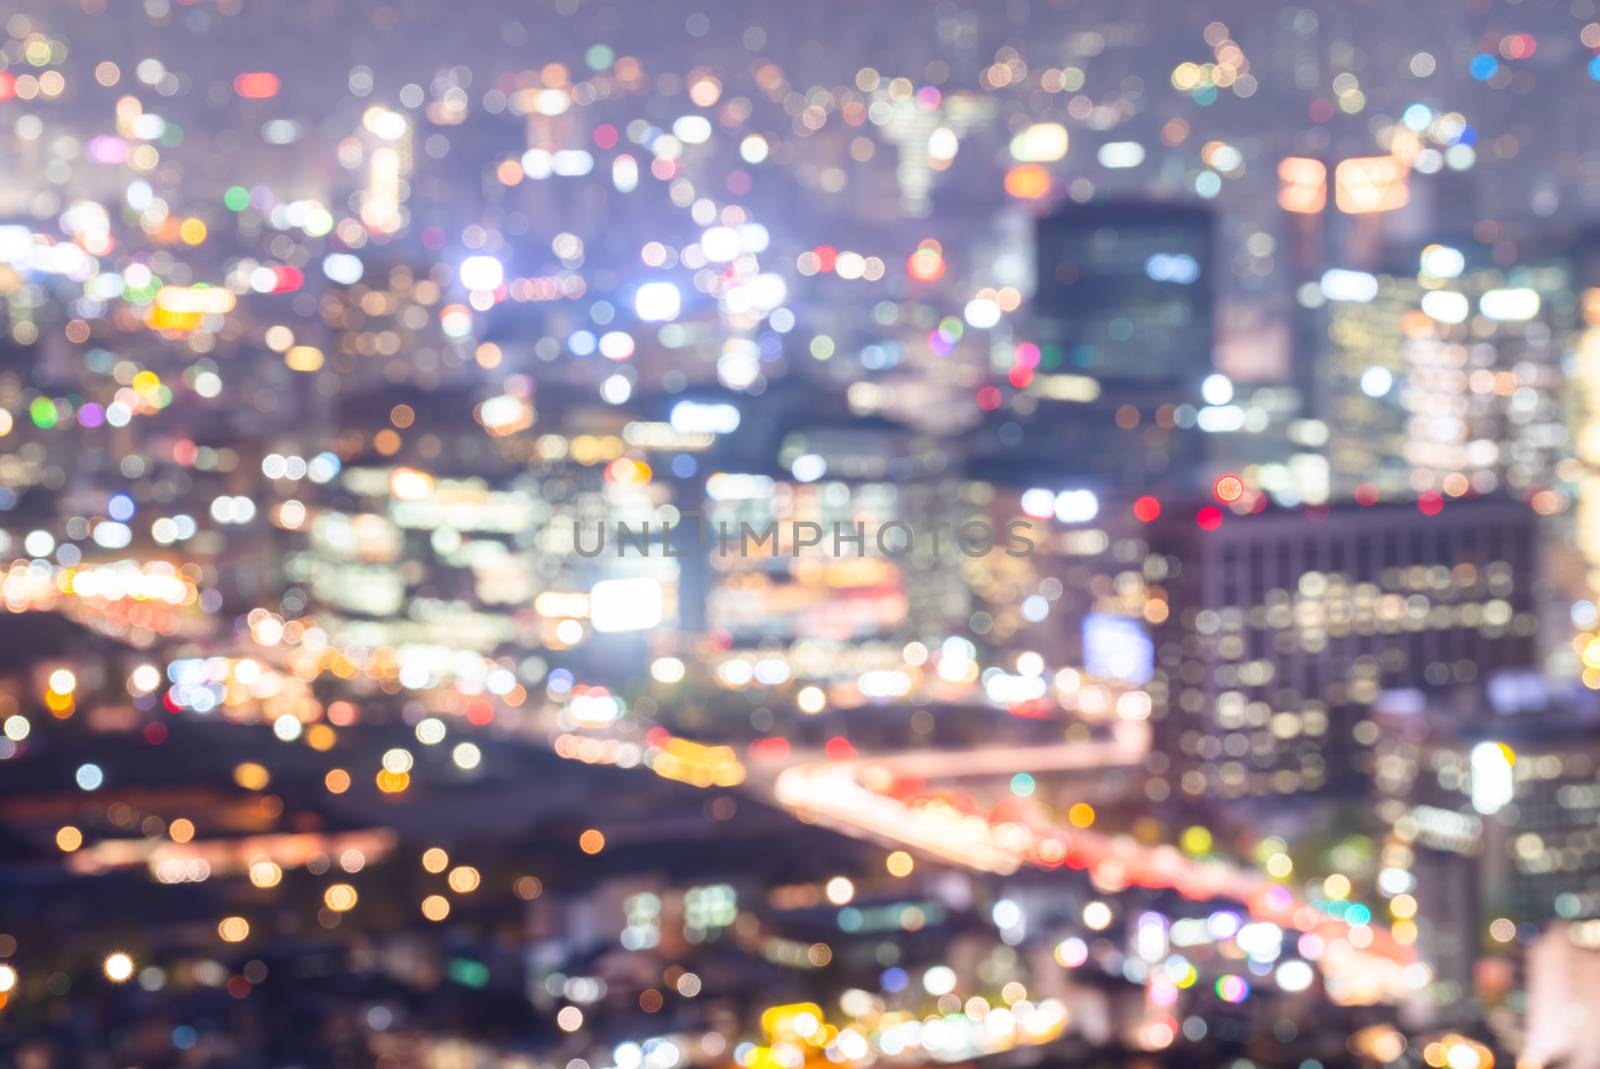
x=1361 y=964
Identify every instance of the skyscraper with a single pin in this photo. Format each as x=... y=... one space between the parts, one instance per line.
x=1284 y=627
x=1122 y=314
x=1125 y=290
x=1449 y=380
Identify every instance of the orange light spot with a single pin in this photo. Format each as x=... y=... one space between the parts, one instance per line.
x=1028 y=181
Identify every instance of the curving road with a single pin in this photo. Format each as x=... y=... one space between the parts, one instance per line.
x=1361 y=964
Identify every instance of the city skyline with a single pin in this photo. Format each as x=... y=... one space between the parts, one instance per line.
x=586 y=535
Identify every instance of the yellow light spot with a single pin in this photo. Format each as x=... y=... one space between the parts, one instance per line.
x=393 y=782
x=193 y=231
x=321 y=737
x=1195 y=840
x=1081 y=815
x=436 y=907
x=464 y=879
x=341 y=898
x=164 y=318
x=69 y=839
x=1336 y=886
x=435 y=859
x=899 y=864
x=303 y=358
x=251 y=776
x=264 y=873
x=118 y=967
x=233 y=929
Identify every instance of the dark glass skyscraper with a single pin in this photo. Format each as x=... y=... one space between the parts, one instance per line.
x=1125 y=291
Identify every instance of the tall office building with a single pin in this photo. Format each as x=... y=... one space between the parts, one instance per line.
x=1283 y=628
x=1361 y=383
x=1126 y=290
x=1122 y=314
x=1584 y=414
x=1526 y=784
x=1491 y=807
x=1448 y=380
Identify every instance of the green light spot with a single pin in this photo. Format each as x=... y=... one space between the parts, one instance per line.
x=237 y=198
x=43 y=412
x=467 y=972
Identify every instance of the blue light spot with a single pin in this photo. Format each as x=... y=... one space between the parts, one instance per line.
x=1022 y=785
x=1483 y=66
x=582 y=343
x=878 y=357
x=1177 y=267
